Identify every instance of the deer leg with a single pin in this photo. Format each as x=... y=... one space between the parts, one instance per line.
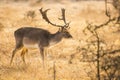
x=14 y=52
x=45 y=57
x=42 y=54
x=25 y=50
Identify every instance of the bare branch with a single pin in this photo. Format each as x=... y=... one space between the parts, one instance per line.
x=104 y=24
x=106 y=10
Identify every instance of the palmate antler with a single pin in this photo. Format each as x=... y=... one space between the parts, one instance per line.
x=44 y=15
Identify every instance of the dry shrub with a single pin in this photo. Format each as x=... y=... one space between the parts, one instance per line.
x=116 y=4
x=1 y=26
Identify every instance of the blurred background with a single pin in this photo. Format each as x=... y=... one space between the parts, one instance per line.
x=92 y=54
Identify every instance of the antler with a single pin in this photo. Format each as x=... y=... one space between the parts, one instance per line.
x=63 y=18
x=44 y=15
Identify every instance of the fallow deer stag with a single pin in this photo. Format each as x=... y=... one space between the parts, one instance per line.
x=30 y=37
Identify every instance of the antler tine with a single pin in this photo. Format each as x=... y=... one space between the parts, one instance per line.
x=44 y=16
x=63 y=15
x=64 y=19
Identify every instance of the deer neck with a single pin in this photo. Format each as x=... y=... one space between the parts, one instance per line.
x=55 y=38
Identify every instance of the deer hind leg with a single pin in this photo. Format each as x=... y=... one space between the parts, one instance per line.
x=24 y=50
x=18 y=47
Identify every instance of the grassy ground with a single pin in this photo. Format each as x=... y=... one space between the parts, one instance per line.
x=13 y=15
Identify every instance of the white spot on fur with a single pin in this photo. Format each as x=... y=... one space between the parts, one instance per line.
x=33 y=46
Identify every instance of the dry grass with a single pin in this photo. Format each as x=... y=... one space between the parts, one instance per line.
x=14 y=15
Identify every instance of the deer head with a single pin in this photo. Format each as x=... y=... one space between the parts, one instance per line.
x=62 y=28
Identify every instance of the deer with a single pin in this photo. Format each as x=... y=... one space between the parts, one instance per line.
x=38 y=38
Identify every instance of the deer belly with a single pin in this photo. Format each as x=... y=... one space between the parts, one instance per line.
x=30 y=43
x=32 y=46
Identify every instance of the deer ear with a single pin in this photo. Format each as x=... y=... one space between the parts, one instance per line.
x=59 y=30
x=62 y=29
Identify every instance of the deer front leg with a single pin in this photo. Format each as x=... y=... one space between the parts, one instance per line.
x=42 y=55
